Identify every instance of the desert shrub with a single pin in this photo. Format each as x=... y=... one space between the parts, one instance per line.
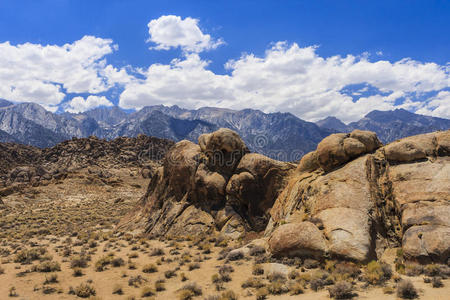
x=432 y=270
x=157 y=252
x=189 y=291
x=159 y=286
x=276 y=276
x=79 y=262
x=67 y=252
x=228 y=295
x=52 y=278
x=330 y=265
x=221 y=241
x=226 y=269
x=215 y=278
x=341 y=290
x=413 y=269
x=133 y=255
x=377 y=272
x=147 y=292
x=170 y=273
x=257 y=270
x=132 y=265
x=277 y=288
x=436 y=282
x=117 y=289
x=47 y=266
x=12 y=292
x=2 y=270
x=46 y=289
x=252 y=282
x=257 y=251
x=117 y=262
x=388 y=290
x=77 y=272
x=317 y=284
x=150 y=268
x=235 y=255
x=194 y=266
x=297 y=288
x=223 y=253
x=387 y=270
x=183 y=277
x=84 y=290
x=101 y=264
x=136 y=280
x=185 y=295
x=310 y=263
x=29 y=255
x=348 y=269
x=194 y=287
x=293 y=274
x=204 y=246
x=262 y=293
x=406 y=290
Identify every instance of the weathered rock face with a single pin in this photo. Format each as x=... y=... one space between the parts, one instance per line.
x=339 y=148
x=214 y=186
x=351 y=198
x=396 y=196
x=286 y=240
x=339 y=202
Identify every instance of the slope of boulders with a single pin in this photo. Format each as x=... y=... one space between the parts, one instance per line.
x=21 y=164
x=351 y=198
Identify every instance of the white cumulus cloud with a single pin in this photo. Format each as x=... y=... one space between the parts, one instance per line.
x=437 y=106
x=79 y=104
x=287 y=78
x=40 y=73
x=173 y=31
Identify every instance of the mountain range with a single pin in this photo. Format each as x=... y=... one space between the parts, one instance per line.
x=279 y=135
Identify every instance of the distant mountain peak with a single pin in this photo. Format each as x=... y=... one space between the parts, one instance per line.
x=279 y=135
x=5 y=103
x=332 y=123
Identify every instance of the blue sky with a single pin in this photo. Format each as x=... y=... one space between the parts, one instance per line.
x=311 y=58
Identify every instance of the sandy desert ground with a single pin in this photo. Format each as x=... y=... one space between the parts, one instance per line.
x=58 y=242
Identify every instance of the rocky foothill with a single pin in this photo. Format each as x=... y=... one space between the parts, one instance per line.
x=351 y=198
x=26 y=165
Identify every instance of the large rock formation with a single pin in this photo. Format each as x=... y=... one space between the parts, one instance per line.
x=351 y=198
x=214 y=186
x=361 y=201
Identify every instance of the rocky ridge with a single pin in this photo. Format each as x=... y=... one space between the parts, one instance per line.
x=281 y=136
x=20 y=164
x=351 y=198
